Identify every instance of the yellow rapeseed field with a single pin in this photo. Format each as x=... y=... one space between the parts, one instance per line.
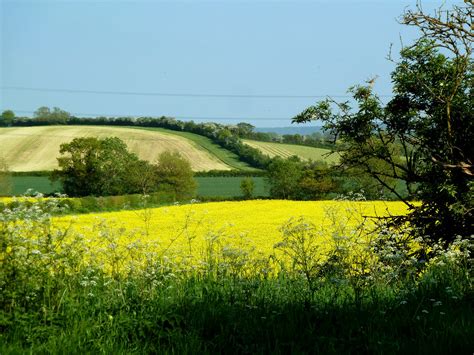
x=192 y=231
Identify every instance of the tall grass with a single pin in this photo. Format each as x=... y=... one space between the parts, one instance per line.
x=62 y=294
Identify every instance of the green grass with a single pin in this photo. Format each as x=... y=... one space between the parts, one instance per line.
x=168 y=314
x=287 y=150
x=20 y=184
x=228 y=186
x=207 y=186
x=222 y=154
x=248 y=316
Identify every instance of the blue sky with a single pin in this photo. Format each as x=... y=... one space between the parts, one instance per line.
x=276 y=48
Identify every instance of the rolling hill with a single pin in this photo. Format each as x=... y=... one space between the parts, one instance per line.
x=36 y=148
x=288 y=150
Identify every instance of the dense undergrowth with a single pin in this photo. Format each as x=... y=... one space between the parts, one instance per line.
x=58 y=295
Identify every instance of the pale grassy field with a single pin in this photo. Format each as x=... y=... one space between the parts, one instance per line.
x=36 y=148
x=287 y=150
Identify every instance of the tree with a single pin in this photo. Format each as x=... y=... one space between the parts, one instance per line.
x=59 y=116
x=173 y=172
x=317 y=181
x=7 y=118
x=42 y=113
x=283 y=176
x=245 y=130
x=424 y=135
x=142 y=177
x=5 y=178
x=55 y=116
x=100 y=167
x=247 y=186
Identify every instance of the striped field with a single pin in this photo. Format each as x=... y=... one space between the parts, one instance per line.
x=288 y=150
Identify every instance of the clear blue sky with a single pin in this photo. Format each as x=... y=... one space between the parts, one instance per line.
x=195 y=47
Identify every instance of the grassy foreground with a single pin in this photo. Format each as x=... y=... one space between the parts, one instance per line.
x=68 y=292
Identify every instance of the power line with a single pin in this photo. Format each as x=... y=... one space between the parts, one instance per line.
x=250 y=118
x=168 y=94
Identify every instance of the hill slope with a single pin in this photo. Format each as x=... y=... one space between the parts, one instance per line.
x=287 y=150
x=36 y=148
x=226 y=156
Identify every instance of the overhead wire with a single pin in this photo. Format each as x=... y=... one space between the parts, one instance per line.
x=77 y=114
x=170 y=94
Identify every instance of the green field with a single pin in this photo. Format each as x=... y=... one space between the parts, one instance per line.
x=207 y=186
x=228 y=186
x=20 y=184
x=288 y=150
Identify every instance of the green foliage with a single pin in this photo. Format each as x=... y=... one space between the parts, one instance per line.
x=301 y=243
x=317 y=181
x=244 y=129
x=7 y=117
x=55 y=116
x=104 y=167
x=5 y=178
x=93 y=166
x=297 y=180
x=247 y=186
x=283 y=177
x=173 y=173
x=424 y=135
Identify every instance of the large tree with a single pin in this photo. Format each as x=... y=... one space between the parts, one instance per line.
x=174 y=173
x=92 y=166
x=283 y=177
x=424 y=135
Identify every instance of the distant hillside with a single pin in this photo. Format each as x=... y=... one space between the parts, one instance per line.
x=290 y=130
x=287 y=150
x=36 y=148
